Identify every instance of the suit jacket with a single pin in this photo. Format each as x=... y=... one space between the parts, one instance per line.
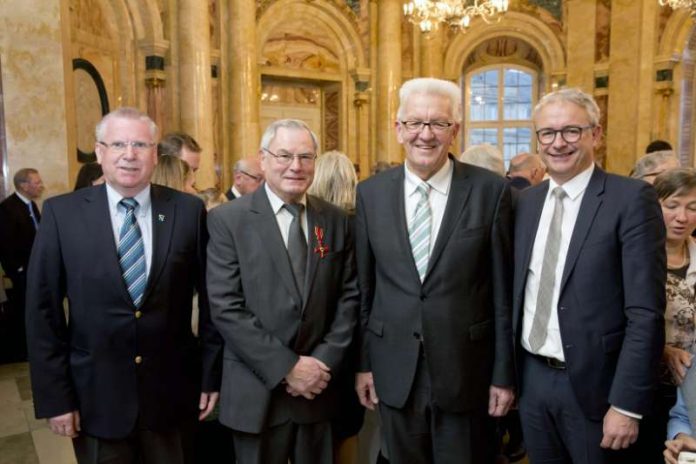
x=88 y=364
x=461 y=311
x=17 y=234
x=265 y=323
x=612 y=297
x=230 y=195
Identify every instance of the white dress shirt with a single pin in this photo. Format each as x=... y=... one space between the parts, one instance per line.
x=283 y=216
x=575 y=191
x=143 y=214
x=440 y=184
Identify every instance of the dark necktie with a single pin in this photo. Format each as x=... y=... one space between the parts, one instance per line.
x=33 y=217
x=297 y=244
x=131 y=253
x=542 y=314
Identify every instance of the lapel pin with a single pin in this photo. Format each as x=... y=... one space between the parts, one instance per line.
x=160 y=218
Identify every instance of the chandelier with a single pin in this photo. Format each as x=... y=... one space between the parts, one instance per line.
x=457 y=14
x=674 y=4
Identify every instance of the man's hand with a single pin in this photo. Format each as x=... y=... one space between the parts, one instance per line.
x=681 y=442
x=66 y=425
x=309 y=377
x=207 y=403
x=500 y=400
x=678 y=361
x=620 y=431
x=365 y=387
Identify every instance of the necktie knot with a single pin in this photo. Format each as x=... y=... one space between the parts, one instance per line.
x=558 y=193
x=294 y=208
x=424 y=189
x=129 y=203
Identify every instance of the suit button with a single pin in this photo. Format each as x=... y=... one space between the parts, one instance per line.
x=561 y=308
x=138 y=314
x=138 y=359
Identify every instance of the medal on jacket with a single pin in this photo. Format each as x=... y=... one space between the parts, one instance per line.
x=321 y=249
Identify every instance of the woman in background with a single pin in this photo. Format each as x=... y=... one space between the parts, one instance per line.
x=172 y=172
x=90 y=174
x=335 y=181
x=676 y=191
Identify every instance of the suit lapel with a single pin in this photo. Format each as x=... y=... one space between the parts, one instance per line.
x=530 y=226
x=314 y=219
x=588 y=209
x=98 y=221
x=456 y=203
x=266 y=225
x=163 y=221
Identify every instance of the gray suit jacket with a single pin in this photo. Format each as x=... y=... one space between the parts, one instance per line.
x=461 y=311
x=264 y=321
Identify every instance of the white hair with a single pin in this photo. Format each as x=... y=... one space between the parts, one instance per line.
x=125 y=113
x=485 y=156
x=270 y=132
x=431 y=86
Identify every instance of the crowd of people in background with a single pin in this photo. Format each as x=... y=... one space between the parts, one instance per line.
x=485 y=313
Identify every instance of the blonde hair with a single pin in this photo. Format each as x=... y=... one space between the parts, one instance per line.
x=172 y=172
x=335 y=180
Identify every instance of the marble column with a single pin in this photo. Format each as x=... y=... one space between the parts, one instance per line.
x=431 y=53
x=37 y=93
x=195 y=84
x=581 y=21
x=245 y=83
x=631 y=76
x=361 y=103
x=389 y=51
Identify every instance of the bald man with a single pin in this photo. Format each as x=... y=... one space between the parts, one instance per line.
x=247 y=177
x=526 y=170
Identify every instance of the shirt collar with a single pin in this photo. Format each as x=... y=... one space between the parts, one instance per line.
x=235 y=192
x=23 y=198
x=575 y=186
x=276 y=202
x=143 y=198
x=440 y=181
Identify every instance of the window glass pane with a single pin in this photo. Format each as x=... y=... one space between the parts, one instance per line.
x=517 y=95
x=483 y=96
x=480 y=135
x=516 y=140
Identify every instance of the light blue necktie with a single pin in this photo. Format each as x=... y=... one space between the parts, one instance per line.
x=131 y=253
x=419 y=230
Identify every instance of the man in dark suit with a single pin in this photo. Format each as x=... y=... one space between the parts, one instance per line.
x=19 y=219
x=283 y=293
x=124 y=376
x=526 y=171
x=589 y=294
x=247 y=177
x=433 y=241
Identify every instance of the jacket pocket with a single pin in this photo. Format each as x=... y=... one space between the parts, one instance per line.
x=375 y=326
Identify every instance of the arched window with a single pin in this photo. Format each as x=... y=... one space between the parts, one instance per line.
x=499 y=101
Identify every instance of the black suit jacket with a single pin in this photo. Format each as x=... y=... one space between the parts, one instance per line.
x=88 y=364
x=17 y=234
x=462 y=309
x=265 y=323
x=612 y=299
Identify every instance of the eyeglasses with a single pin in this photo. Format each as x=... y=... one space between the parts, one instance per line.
x=435 y=126
x=121 y=147
x=286 y=158
x=570 y=134
x=256 y=178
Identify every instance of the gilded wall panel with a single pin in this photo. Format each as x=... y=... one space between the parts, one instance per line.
x=302 y=45
x=603 y=30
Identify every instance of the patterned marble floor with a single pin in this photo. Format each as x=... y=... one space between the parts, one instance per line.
x=23 y=439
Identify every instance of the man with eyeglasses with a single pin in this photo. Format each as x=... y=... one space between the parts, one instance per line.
x=434 y=249
x=247 y=177
x=123 y=375
x=284 y=295
x=589 y=294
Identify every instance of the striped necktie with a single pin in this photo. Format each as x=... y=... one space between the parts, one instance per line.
x=547 y=279
x=419 y=230
x=131 y=253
